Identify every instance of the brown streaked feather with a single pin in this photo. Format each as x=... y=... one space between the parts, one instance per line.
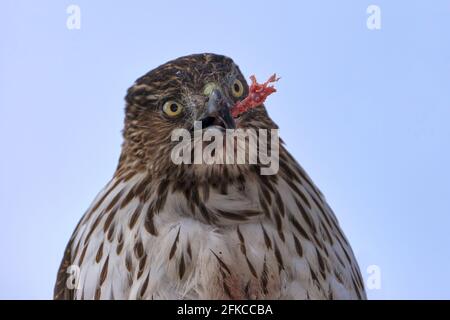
x=61 y=292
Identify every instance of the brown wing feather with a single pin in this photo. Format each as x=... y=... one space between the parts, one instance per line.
x=61 y=292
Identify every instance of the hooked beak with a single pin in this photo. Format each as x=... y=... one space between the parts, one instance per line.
x=218 y=111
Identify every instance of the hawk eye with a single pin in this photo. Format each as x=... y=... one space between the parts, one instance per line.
x=237 y=88
x=172 y=108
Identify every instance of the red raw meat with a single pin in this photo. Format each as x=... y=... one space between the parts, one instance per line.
x=256 y=96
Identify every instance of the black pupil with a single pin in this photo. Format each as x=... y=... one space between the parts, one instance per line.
x=237 y=88
x=174 y=107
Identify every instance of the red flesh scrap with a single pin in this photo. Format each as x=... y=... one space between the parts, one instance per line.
x=256 y=96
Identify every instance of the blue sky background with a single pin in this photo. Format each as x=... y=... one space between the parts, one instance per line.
x=367 y=113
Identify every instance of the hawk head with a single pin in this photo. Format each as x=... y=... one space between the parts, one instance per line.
x=176 y=95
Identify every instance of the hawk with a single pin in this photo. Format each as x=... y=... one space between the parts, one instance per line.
x=160 y=230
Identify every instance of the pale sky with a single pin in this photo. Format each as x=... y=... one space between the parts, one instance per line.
x=366 y=113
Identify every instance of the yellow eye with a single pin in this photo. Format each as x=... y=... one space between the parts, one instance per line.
x=172 y=108
x=237 y=88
